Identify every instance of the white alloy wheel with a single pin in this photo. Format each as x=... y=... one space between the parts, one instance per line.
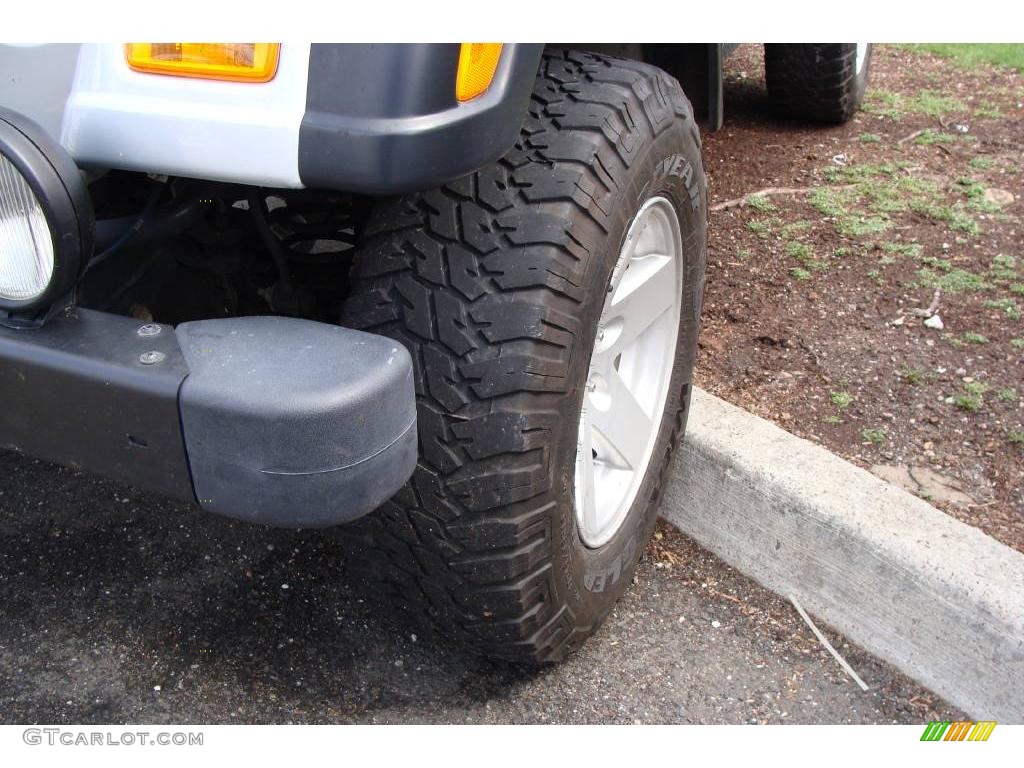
x=630 y=370
x=862 y=56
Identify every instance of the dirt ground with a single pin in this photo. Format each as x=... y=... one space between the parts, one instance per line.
x=817 y=299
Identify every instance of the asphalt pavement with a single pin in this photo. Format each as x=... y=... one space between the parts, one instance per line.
x=122 y=607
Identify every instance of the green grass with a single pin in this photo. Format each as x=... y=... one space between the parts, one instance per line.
x=912 y=376
x=1015 y=436
x=930 y=138
x=981 y=163
x=895 y=105
x=760 y=203
x=1007 y=395
x=1007 y=306
x=827 y=203
x=953 y=281
x=931 y=209
x=934 y=104
x=897 y=195
x=961 y=221
x=793 y=227
x=1003 y=267
x=988 y=112
x=862 y=226
x=883 y=103
x=934 y=262
x=1017 y=343
x=913 y=250
x=971 y=398
x=968 y=402
x=799 y=273
x=841 y=399
x=975 y=338
x=856 y=173
x=798 y=251
x=870 y=138
x=973 y=55
x=975 y=192
x=872 y=193
x=873 y=435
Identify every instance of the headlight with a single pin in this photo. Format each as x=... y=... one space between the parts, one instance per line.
x=46 y=219
x=25 y=242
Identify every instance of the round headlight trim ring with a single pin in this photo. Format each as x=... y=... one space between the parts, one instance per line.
x=60 y=190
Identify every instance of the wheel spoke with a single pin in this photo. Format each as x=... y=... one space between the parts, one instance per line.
x=585 y=484
x=623 y=430
x=646 y=292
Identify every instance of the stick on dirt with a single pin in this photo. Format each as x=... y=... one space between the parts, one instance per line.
x=932 y=308
x=739 y=202
x=911 y=136
x=828 y=646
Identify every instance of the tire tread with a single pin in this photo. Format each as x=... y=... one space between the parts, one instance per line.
x=482 y=280
x=817 y=82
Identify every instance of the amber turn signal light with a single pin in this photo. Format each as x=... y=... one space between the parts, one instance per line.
x=477 y=64
x=237 y=62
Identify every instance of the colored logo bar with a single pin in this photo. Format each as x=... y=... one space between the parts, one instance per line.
x=960 y=730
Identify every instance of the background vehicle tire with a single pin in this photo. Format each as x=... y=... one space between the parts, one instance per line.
x=495 y=283
x=818 y=82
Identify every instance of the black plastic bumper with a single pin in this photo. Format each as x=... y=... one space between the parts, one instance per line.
x=266 y=419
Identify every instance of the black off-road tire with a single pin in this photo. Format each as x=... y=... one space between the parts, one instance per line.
x=495 y=284
x=816 y=82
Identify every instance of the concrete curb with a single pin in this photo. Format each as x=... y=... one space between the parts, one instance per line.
x=937 y=599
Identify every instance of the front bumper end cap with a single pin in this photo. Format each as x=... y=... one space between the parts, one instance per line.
x=295 y=423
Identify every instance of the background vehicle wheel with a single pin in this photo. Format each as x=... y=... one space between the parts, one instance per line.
x=563 y=281
x=819 y=82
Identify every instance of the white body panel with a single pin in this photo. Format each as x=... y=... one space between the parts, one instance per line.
x=35 y=80
x=224 y=131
